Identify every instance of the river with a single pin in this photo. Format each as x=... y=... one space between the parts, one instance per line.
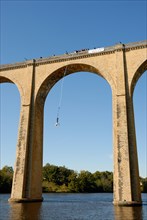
x=71 y=206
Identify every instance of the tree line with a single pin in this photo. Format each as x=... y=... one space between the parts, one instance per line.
x=61 y=179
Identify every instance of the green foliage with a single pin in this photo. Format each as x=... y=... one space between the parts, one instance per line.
x=143 y=183
x=6 y=175
x=73 y=184
x=56 y=179
x=62 y=179
x=55 y=174
x=86 y=182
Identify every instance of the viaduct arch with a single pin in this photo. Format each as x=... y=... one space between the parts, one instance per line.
x=121 y=66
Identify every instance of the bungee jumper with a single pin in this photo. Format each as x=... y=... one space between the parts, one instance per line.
x=57 y=122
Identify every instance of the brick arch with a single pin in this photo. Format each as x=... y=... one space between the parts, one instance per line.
x=5 y=80
x=58 y=74
x=8 y=80
x=142 y=68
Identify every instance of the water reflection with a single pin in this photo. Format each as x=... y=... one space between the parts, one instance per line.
x=21 y=211
x=95 y=206
x=128 y=213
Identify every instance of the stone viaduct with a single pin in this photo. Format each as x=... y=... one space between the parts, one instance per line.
x=121 y=66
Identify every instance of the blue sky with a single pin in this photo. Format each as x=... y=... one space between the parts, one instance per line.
x=30 y=29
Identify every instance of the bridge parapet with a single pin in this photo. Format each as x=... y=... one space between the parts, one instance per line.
x=75 y=55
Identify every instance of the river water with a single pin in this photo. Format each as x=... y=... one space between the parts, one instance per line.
x=71 y=206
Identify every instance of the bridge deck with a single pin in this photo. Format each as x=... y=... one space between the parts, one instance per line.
x=73 y=55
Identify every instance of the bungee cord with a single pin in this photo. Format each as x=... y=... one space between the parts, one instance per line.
x=60 y=100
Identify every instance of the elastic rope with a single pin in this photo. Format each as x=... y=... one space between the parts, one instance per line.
x=61 y=93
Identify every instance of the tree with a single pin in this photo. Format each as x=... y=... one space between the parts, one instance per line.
x=86 y=182
x=6 y=175
x=143 y=184
x=50 y=173
x=73 y=182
